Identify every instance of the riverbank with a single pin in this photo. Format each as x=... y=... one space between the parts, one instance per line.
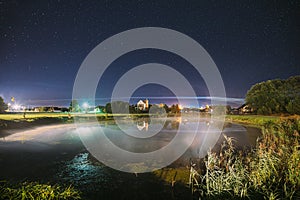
x=258 y=120
x=10 y=125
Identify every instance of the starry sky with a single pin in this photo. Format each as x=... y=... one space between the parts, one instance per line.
x=43 y=43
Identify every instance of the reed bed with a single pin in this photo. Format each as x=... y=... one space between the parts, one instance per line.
x=34 y=190
x=270 y=171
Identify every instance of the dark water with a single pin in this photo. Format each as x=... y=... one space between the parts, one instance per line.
x=55 y=154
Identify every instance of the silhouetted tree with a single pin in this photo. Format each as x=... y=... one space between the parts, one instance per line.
x=155 y=109
x=167 y=109
x=120 y=107
x=175 y=108
x=74 y=106
x=3 y=105
x=275 y=96
x=108 y=108
x=219 y=109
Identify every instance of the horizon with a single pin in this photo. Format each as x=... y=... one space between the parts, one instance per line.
x=202 y=101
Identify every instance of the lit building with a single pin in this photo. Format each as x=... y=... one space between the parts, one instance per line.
x=143 y=105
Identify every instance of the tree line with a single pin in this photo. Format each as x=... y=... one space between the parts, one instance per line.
x=124 y=107
x=270 y=97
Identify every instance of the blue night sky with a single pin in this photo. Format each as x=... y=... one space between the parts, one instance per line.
x=43 y=43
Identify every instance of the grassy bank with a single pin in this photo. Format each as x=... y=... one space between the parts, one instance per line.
x=9 y=123
x=252 y=120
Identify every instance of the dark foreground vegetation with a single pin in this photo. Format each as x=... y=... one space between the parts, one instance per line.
x=37 y=191
x=270 y=171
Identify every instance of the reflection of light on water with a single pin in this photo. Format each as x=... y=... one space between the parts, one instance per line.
x=81 y=171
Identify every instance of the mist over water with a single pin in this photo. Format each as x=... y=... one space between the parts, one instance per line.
x=153 y=143
x=56 y=153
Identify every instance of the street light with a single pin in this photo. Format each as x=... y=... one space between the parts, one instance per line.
x=85 y=106
x=16 y=107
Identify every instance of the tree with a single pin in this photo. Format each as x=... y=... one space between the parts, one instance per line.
x=3 y=105
x=275 y=96
x=175 y=109
x=219 y=109
x=156 y=109
x=167 y=109
x=74 y=106
x=118 y=107
x=132 y=109
x=108 y=108
x=293 y=92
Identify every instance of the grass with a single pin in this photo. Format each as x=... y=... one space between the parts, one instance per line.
x=19 y=116
x=254 y=120
x=270 y=171
x=33 y=190
x=172 y=176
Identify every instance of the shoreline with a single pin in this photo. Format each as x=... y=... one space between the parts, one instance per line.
x=9 y=127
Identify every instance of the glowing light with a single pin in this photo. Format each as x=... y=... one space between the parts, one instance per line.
x=16 y=107
x=85 y=105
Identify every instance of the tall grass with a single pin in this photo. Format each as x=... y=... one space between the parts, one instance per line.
x=34 y=191
x=270 y=171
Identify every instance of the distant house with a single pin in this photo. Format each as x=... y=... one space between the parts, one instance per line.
x=243 y=109
x=142 y=105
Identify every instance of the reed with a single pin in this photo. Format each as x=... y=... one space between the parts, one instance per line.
x=34 y=190
x=270 y=171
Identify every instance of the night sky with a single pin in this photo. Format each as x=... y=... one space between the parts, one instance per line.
x=43 y=43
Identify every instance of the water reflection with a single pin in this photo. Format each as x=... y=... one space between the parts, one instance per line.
x=145 y=148
x=142 y=125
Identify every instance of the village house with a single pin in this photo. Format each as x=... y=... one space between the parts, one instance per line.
x=142 y=105
x=243 y=109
